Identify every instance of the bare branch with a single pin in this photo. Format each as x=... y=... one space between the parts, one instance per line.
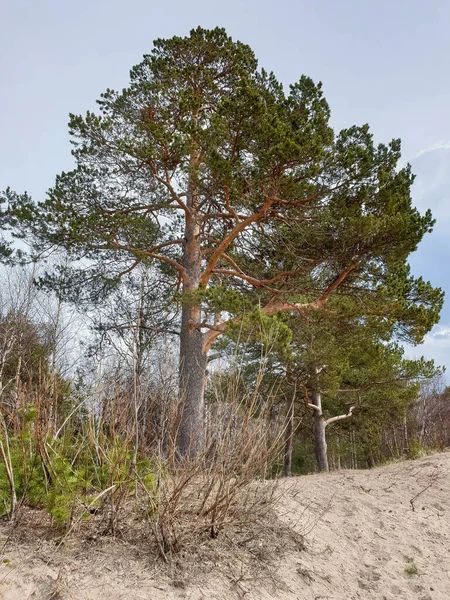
x=340 y=417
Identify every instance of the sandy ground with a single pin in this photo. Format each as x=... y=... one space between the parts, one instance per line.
x=379 y=534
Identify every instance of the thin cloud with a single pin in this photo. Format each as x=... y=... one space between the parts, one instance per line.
x=441 y=331
x=440 y=145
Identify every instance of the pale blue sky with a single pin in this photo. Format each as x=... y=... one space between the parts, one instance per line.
x=382 y=62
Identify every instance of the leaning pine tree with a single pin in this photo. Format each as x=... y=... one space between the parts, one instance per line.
x=204 y=160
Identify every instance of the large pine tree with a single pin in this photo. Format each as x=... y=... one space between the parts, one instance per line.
x=240 y=190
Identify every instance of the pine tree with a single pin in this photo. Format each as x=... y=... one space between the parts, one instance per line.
x=240 y=191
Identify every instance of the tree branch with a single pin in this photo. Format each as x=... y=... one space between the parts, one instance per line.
x=170 y=187
x=135 y=264
x=340 y=417
x=150 y=254
x=273 y=307
x=307 y=401
x=231 y=236
x=317 y=304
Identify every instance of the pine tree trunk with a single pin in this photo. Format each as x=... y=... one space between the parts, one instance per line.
x=193 y=359
x=193 y=363
x=338 y=443
x=288 y=440
x=354 y=451
x=320 y=442
x=396 y=446
x=405 y=435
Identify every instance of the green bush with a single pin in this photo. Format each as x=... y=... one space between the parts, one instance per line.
x=67 y=474
x=415 y=448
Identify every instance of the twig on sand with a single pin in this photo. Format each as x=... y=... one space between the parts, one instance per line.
x=434 y=478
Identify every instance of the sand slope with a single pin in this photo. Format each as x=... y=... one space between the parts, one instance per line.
x=364 y=535
x=362 y=540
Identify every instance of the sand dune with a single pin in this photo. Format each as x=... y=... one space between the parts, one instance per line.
x=379 y=534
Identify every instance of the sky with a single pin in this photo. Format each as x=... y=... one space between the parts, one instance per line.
x=385 y=63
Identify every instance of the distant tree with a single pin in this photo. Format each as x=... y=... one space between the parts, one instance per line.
x=131 y=327
x=34 y=344
x=136 y=314
x=432 y=414
x=242 y=194
x=373 y=385
x=336 y=366
x=5 y=243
